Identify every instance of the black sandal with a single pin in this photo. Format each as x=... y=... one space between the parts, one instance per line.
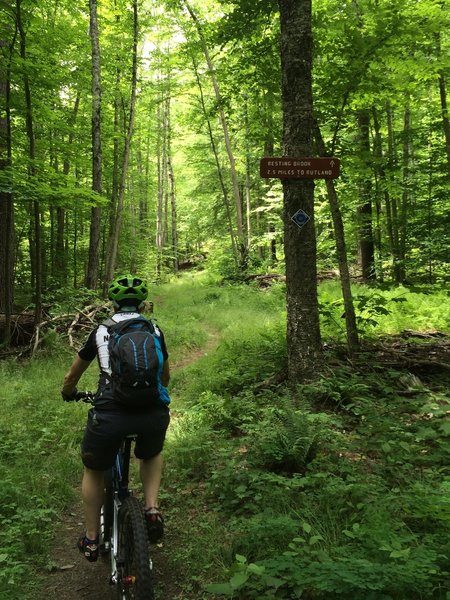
x=155 y=524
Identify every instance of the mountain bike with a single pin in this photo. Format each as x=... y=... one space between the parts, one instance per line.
x=123 y=531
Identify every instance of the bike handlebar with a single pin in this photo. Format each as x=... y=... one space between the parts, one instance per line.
x=87 y=397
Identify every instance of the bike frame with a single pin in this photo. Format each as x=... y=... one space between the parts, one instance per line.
x=118 y=493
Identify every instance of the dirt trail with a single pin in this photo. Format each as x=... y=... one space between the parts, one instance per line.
x=72 y=577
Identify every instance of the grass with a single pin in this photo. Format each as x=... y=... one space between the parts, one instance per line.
x=38 y=463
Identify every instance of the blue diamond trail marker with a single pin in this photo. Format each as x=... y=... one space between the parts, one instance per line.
x=300 y=218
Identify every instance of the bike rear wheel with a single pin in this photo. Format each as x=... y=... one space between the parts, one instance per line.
x=135 y=573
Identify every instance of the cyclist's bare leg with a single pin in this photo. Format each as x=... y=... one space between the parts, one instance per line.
x=151 y=471
x=92 y=489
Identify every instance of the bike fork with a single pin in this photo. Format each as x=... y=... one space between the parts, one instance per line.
x=115 y=559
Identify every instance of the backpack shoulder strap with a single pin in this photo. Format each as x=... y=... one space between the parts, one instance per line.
x=118 y=326
x=108 y=323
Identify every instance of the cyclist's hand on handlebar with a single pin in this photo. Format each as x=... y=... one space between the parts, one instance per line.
x=87 y=397
x=70 y=397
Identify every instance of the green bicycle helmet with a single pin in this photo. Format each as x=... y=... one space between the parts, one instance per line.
x=127 y=290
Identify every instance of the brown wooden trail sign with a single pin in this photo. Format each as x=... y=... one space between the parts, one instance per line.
x=288 y=167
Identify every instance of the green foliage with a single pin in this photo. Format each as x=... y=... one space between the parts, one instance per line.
x=385 y=309
x=339 y=491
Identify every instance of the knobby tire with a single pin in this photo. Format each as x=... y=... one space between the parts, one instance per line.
x=133 y=552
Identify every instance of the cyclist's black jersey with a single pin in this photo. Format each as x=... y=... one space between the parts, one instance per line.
x=97 y=346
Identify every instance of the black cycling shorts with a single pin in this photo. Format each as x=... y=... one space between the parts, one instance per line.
x=105 y=430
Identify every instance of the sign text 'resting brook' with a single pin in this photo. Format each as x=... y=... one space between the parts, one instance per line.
x=288 y=167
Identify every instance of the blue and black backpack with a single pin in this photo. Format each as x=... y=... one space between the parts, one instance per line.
x=136 y=362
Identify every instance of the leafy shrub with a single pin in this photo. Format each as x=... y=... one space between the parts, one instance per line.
x=282 y=439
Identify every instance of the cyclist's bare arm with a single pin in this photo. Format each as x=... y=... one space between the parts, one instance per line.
x=71 y=378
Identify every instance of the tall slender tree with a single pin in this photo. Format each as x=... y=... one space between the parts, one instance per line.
x=242 y=248
x=365 y=239
x=117 y=225
x=6 y=197
x=35 y=214
x=94 y=237
x=341 y=249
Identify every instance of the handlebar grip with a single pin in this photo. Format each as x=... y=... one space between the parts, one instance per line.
x=87 y=397
x=84 y=397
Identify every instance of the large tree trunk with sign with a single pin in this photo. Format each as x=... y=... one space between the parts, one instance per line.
x=303 y=329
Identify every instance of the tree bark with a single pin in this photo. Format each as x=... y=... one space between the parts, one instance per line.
x=350 y=317
x=444 y=105
x=61 y=251
x=403 y=225
x=226 y=200
x=172 y=193
x=303 y=329
x=94 y=233
x=365 y=239
x=393 y=204
x=7 y=236
x=160 y=196
x=35 y=214
x=445 y=119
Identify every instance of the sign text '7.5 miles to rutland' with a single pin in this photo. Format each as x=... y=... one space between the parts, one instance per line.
x=288 y=167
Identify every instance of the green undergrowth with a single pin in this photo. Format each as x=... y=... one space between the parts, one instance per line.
x=351 y=500
x=39 y=463
x=385 y=309
x=342 y=492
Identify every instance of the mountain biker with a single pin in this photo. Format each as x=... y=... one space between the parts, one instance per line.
x=108 y=421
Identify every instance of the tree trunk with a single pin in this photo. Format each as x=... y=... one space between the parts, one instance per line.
x=115 y=175
x=380 y=187
x=445 y=119
x=160 y=197
x=365 y=241
x=444 y=106
x=36 y=252
x=94 y=233
x=403 y=225
x=173 y=200
x=7 y=237
x=115 y=233
x=393 y=205
x=303 y=329
x=350 y=317
x=61 y=250
x=248 y=207
x=226 y=201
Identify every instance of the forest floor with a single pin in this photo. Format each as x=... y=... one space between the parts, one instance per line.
x=72 y=577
